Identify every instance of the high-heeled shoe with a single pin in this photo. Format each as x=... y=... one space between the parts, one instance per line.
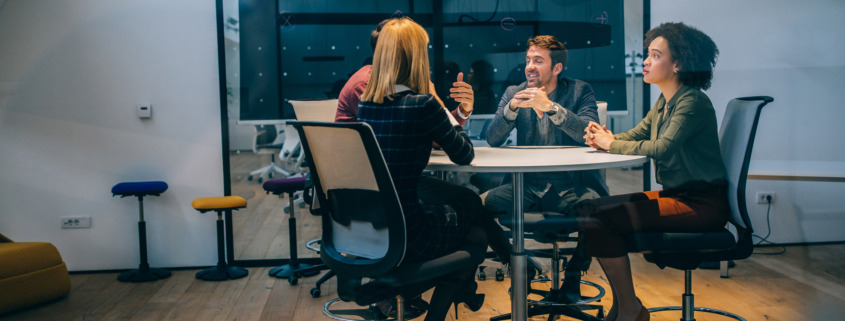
x=472 y=300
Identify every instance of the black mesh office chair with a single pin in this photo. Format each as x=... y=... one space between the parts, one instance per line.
x=363 y=225
x=687 y=251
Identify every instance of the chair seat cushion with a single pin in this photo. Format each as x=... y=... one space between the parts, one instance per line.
x=427 y=272
x=683 y=251
x=545 y=227
x=30 y=273
x=284 y=185
x=218 y=203
x=688 y=242
x=139 y=188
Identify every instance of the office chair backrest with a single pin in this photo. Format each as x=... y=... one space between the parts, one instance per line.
x=364 y=231
x=266 y=135
x=736 y=140
x=602 y=109
x=267 y=139
x=315 y=110
x=476 y=126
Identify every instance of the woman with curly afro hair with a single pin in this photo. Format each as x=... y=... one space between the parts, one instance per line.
x=680 y=134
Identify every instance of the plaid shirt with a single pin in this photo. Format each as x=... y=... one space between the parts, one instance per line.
x=405 y=128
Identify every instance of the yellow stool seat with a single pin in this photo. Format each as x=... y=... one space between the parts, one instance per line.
x=223 y=271
x=206 y=204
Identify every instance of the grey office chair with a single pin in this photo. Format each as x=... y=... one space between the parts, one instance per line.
x=687 y=251
x=363 y=225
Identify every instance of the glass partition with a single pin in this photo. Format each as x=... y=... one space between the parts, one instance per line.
x=293 y=50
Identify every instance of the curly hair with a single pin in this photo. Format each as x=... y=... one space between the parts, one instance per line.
x=557 y=50
x=693 y=50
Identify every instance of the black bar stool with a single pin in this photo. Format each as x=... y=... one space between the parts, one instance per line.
x=140 y=189
x=294 y=270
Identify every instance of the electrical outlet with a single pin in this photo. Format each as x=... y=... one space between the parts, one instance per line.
x=75 y=221
x=765 y=197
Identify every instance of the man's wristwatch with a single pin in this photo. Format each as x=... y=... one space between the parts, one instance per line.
x=553 y=110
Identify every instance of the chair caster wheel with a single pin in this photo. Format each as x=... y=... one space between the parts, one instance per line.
x=500 y=275
x=481 y=274
x=376 y=312
x=287 y=210
x=249 y=178
x=315 y=293
x=293 y=280
x=270 y=175
x=302 y=205
x=260 y=179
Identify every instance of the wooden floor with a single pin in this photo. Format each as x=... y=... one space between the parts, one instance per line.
x=805 y=283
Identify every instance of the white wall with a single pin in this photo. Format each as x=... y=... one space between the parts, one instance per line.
x=791 y=51
x=71 y=74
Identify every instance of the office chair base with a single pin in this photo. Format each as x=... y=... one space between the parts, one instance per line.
x=268 y=170
x=293 y=273
x=575 y=310
x=315 y=291
x=224 y=273
x=143 y=275
x=313 y=245
x=698 y=309
x=547 y=294
x=371 y=313
x=570 y=311
x=310 y=245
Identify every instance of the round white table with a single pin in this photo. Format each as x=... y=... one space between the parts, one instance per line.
x=518 y=160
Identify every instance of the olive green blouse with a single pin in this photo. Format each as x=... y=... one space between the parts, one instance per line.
x=684 y=145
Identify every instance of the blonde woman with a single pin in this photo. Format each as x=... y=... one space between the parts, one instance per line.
x=406 y=119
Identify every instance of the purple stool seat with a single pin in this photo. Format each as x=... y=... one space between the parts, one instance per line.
x=284 y=185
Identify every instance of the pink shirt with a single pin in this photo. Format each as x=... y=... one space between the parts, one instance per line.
x=347 y=101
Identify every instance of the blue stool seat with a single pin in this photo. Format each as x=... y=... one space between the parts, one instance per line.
x=144 y=272
x=154 y=188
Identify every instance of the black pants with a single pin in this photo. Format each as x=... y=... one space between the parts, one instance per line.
x=500 y=200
